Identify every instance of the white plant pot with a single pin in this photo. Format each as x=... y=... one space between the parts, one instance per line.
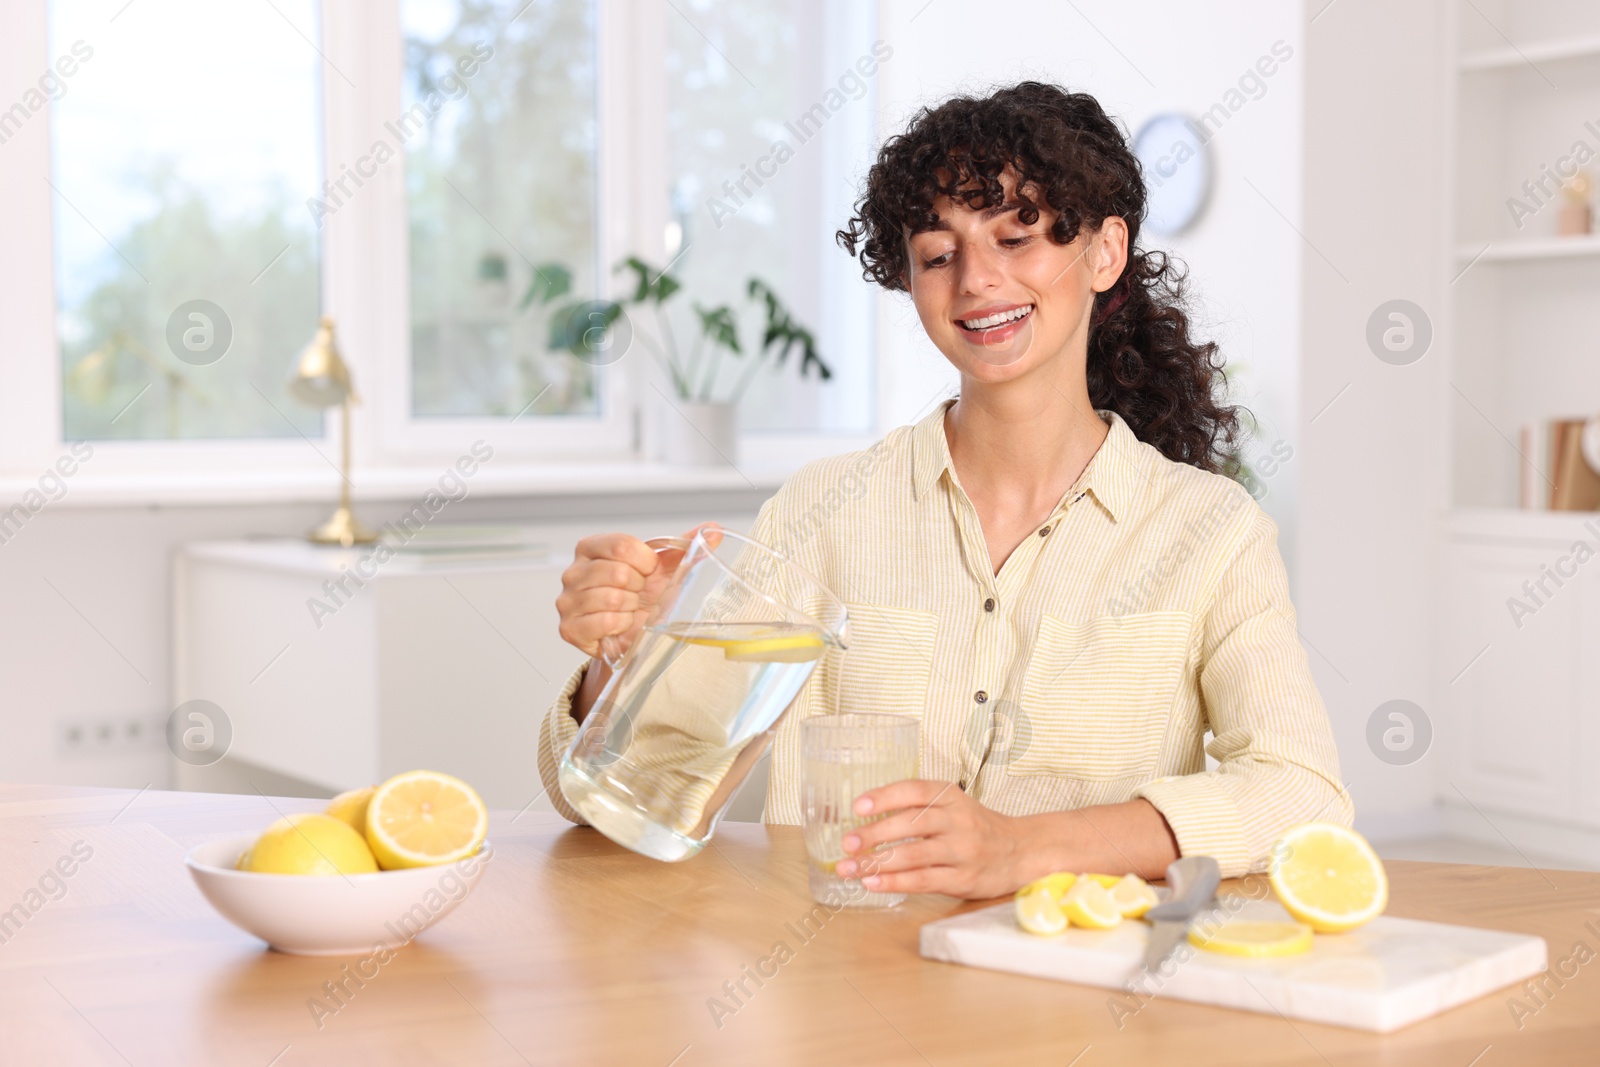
x=699 y=434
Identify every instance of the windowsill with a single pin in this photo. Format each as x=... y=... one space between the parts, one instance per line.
x=206 y=488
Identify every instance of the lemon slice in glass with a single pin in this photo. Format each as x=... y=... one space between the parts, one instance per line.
x=1038 y=912
x=1088 y=903
x=1328 y=877
x=422 y=818
x=1255 y=940
x=1133 y=896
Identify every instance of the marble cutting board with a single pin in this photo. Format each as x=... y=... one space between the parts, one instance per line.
x=1380 y=977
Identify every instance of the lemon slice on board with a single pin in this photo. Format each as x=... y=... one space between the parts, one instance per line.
x=423 y=818
x=309 y=843
x=1328 y=877
x=1255 y=940
x=1038 y=912
x=1133 y=896
x=1089 y=904
x=1055 y=884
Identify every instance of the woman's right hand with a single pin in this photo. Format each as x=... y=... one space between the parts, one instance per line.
x=614 y=581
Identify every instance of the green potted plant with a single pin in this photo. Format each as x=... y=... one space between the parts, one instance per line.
x=701 y=425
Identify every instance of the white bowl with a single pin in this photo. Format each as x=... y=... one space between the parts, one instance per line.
x=318 y=915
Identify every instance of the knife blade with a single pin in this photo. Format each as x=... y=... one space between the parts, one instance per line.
x=1164 y=937
x=1193 y=881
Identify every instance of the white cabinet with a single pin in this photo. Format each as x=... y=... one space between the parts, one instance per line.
x=443 y=662
x=333 y=681
x=1519 y=733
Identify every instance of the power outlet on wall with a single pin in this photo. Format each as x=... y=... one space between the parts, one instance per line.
x=107 y=735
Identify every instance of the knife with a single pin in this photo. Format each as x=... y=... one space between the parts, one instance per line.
x=1193 y=881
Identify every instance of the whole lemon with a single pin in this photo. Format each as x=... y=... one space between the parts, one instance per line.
x=309 y=843
x=351 y=807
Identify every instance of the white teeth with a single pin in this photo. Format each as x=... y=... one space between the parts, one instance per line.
x=995 y=320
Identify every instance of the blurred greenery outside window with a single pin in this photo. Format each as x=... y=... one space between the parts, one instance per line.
x=756 y=189
x=184 y=148
x=500 y=183
x=187 y=263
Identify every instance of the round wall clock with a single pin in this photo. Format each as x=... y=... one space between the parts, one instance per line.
x=1177 y=172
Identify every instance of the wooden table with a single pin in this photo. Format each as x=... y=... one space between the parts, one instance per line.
x=573 y=950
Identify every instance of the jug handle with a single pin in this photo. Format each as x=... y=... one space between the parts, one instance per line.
x=611 y=644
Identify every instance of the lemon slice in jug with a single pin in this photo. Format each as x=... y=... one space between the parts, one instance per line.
x=761 y=642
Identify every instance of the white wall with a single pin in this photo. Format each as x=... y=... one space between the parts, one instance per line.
x=1372 y=463
x=1139 y=60
x=85 y=635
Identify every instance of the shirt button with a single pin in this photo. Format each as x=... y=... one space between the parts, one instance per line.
x=1044 y=531
x=988 y=605
x=981 y=697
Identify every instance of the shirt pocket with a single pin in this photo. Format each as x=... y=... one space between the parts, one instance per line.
x=1098 y=695
x=888 y=660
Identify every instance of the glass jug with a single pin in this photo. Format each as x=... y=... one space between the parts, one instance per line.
x=693 y=704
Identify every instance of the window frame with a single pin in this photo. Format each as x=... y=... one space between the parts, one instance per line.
x=365 y=283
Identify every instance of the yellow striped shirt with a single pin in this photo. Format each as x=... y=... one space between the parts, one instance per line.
x=1150 y=609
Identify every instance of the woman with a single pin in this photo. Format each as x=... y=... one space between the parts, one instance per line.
x=1051 y=570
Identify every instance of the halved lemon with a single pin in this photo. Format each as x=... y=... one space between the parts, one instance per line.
x=761 y=642
x=1107 y=880
x=1038 y=912
x=1133 y=896
x=351 y=807
x=1088 y=903
x=423 y=818
x=1254 y=939
x=1328 y=877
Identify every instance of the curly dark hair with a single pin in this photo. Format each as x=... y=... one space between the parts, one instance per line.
x=1170 y=389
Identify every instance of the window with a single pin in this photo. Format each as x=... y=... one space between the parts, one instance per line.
x=757 y=191
x=185 y=145
x=500 y=194
x=215 y=184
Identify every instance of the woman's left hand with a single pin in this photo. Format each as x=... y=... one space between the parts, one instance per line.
x=959 y=847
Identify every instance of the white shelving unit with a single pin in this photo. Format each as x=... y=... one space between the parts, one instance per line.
x=1513 y=56
x=1519 y=693
x=1528 y=248
x=1523 y=300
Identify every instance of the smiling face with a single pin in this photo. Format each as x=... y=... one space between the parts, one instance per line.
x=999 y=297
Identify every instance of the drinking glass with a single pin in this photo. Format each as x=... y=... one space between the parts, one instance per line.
x=692 y=705
x=841 y=757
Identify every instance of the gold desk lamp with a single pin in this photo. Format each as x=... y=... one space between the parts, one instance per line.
x=322 y=380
